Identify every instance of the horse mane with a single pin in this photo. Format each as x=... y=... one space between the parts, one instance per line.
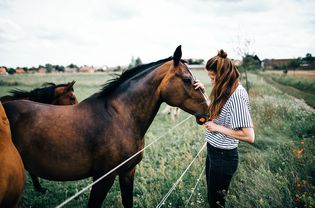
x=50 y=84
x=114 y=83
x=45 y=94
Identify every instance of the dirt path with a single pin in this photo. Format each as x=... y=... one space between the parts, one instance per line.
x=305 y=100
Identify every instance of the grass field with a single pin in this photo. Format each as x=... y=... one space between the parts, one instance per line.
x=276 y=171
x=300 y=84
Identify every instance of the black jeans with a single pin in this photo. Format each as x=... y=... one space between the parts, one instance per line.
x=220 y=167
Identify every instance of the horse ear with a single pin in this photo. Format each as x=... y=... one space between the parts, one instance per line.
x=70 y=86
x=177 y=55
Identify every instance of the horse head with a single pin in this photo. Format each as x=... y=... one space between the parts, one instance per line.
x=64 y=95
x=177 y=89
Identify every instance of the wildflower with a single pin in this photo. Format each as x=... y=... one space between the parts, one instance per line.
x=297 y=152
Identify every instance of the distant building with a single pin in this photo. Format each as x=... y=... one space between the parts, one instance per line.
x=270 y=64
x=3 y=71
x=196 y=66
x=19 y=70
x=102 y=68
x=70 y=70
x=237 y=62
x=87 y=69
x=41 y=70
x=310 y=65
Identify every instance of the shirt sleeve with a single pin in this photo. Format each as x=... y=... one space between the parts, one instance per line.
x=240 y=116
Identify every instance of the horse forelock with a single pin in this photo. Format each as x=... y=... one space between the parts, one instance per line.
x=114 y=83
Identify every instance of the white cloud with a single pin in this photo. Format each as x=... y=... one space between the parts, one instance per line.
x=111 y=32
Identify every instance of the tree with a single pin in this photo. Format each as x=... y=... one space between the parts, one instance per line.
x=308 y=58
x=11 y=71
x=251 y=62
x=60 y=68
x=72 y=66
x=295 y=63
x=244 y=47
x=138 y=61
x=134 y=62
x=49 y=68
x=191 y=61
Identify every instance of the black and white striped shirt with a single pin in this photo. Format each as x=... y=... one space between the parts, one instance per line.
x=234 y=115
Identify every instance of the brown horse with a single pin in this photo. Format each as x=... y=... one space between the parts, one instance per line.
x=50 y=93
x=89 y=139
x=12 y=176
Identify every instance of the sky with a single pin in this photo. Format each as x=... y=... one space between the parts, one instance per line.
x=111 y=32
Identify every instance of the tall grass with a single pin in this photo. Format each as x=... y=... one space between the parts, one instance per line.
x=273 y=172
x=304 y=84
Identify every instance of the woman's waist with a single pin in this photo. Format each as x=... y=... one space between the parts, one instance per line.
x=220 y=151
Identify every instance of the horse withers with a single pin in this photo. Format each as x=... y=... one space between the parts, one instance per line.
x=93 y=137
x=12 y=176
x=49 y=93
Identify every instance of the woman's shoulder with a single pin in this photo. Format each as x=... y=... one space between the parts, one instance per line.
x=239 y=95
x=240 y=92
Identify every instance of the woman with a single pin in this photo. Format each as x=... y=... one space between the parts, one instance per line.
x=229 y=123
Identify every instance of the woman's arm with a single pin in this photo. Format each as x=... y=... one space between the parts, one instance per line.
x=244 y=134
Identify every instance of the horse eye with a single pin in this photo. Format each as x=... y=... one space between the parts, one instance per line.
x=187 y=80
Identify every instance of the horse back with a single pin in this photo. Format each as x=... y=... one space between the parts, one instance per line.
x=43 y=132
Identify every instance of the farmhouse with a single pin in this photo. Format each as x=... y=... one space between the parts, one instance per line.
x=19 y=70
x=3 y=71
x=271 y=63
x=87 y=69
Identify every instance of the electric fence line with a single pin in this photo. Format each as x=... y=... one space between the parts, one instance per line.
x=193 y=190
x=179 y=179
x=118 y=166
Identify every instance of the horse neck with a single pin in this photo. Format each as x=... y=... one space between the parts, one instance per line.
x=138 y=100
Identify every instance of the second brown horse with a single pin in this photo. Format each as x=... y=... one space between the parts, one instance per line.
x=89 y=139
x=49 y=93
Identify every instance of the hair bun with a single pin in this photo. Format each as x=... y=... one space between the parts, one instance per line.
x=222 y=54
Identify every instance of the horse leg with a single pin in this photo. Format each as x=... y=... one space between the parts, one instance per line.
x=126 y=187
x=37 y=185
x=100 y=190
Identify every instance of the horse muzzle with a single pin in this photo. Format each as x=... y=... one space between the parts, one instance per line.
x=201 y=119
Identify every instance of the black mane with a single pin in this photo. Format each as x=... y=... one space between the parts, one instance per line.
x=45 y=94
x=114 y=83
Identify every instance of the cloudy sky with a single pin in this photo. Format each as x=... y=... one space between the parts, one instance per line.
x=110 y=32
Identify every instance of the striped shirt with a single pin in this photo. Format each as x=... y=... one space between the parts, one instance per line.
x=234 y=115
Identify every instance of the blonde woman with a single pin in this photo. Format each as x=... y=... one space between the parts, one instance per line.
x=230 y=122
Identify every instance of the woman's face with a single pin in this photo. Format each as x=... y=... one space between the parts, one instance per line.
x=211 y=74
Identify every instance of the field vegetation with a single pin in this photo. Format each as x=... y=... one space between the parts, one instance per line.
x=276 y=171
x=300 y=84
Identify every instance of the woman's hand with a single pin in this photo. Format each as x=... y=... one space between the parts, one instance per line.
x=244 y=134
x=199 y=85
x=211 y=126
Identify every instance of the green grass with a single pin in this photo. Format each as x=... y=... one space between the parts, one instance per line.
x=304 y=84
x=302 y=87
x=269 y=174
